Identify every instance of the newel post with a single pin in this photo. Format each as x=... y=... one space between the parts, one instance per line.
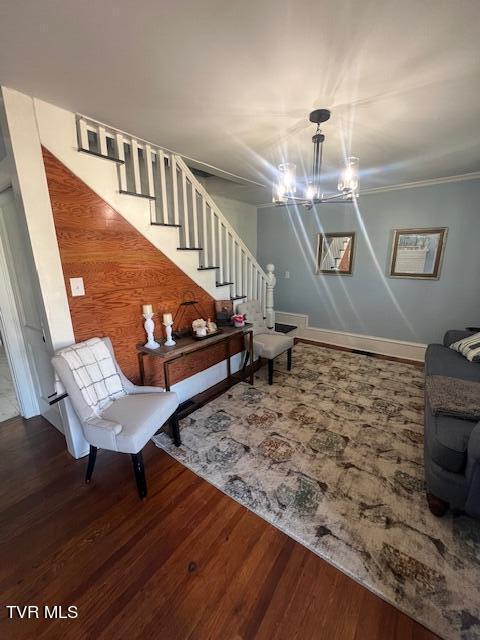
x=271 y=282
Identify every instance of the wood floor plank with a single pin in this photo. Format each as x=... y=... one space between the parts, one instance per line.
x=188 y=562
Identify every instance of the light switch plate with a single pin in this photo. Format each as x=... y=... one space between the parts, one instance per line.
x=77 y=287
x=287 y=275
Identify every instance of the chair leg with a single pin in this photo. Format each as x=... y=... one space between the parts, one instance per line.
x=247 y=358
x=174 y=426
x=270 y=371
x=289 y=359
x=92 y=456
x=139 y=470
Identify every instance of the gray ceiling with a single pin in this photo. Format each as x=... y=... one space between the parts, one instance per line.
x=232 y=83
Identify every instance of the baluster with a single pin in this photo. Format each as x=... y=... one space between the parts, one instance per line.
x=184 y=214
x=163 y=184
x=233 y=264
x=213 y=223
x=136 y=166
x=83 y=134
x=239 y=270
x=219 y=263
x=122 y=169
x=228 y=275
x=102 y=141
x=176 y=210
x=148 y=165
x=196 y=242
x=250 y=281
x=264 y=301
x=245 y=273
x=206 y=255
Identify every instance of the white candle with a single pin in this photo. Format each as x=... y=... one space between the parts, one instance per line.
x=167 y=318
x=147 y=308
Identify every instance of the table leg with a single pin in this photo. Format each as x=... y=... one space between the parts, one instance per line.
x=141 y=368
x=166 y=375
x=229 y=364
x=251 y=356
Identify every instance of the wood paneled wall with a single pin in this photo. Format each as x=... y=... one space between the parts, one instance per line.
x=121 y=271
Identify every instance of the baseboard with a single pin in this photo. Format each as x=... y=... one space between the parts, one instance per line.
x=373 y=344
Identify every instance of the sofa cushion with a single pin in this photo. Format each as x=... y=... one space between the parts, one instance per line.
x=447 y=440
x=468 y=347
x=442 y=361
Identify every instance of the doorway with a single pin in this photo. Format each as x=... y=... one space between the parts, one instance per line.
x=9 y=407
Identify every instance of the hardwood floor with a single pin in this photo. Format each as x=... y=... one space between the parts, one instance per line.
x=188 y=562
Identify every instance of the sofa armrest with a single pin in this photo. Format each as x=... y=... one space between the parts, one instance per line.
x=454 y=335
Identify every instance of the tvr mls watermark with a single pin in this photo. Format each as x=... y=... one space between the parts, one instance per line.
x=47 y=612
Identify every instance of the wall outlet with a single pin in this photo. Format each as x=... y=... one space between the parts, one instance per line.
x=287 y=275
x=77 y=287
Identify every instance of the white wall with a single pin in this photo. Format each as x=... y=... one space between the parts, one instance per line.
x=241 y=215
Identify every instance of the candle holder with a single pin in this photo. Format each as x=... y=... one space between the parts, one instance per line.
x=168 y=330
x=149 y=327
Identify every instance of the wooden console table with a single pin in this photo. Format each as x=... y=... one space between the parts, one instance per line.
x=188 y=345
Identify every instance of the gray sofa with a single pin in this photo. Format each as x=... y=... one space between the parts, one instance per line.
x=452 y=444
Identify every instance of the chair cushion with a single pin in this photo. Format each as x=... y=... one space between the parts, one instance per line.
x=270 y=345
x=447 y=439
x=442 y=361
x=140 y=415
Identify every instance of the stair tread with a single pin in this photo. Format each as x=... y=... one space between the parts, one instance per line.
x=207 y=268
x=165 y=224
x=223 y=284
x=190 y=248
x=139 y=195
x=237 y=297
x=101 y=155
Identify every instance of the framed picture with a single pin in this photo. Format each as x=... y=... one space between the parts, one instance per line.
x=223 y=312
x=417 y=253
x=335 y=253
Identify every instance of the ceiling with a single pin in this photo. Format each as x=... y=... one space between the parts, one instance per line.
x=232 y=83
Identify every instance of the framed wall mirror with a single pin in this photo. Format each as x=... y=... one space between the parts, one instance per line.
x=417 y=253
x=335 y=253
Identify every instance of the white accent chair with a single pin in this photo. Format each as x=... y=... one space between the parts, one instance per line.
x=266 y=343
x=126 y=423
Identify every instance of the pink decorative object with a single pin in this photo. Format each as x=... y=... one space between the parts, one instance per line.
x=239 y=319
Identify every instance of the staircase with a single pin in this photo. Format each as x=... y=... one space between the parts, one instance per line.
x=179 y=202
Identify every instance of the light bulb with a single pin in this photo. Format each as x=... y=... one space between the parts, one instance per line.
x=348 y=180
x=310 y=192
x=286 y=177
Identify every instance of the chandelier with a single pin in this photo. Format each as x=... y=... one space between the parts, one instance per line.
x=285 y=188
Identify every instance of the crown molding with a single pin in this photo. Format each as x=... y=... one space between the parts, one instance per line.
x=462 y=177
x=474 y=175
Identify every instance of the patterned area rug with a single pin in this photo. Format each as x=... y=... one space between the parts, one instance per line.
x=332 y=454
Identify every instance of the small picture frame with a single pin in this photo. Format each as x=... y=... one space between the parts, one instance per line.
x=223 y=312
x=417 y=253
x=335 y=253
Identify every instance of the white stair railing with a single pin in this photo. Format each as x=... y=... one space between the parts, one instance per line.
x=179 y=199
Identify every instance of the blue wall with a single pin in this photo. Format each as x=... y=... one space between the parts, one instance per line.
x=369 y=302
